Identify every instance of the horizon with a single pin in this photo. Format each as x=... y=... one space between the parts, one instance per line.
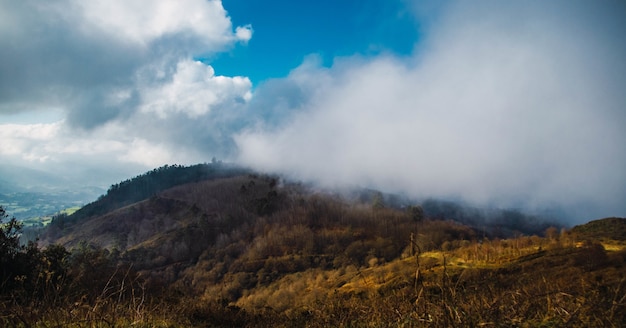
x=496 y=104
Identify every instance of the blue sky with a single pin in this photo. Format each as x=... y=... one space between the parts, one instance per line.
x=507 y=104
x=288 y=31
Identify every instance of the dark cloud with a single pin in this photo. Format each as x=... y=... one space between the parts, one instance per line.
x=100 y=105
x=78 y=55
x=46 y=61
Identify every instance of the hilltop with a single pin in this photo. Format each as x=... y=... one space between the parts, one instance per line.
x=603 y=229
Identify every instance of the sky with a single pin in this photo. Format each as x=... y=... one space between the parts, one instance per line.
x=506 y=104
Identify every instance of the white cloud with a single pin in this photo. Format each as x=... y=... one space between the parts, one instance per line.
x=510 y=103
x=144 y=21
x=194 y=90
x=244 y=33
x=145 y=153
x=54 y=141
x=25 y=141
x=94 y=50
x=119 y=77
x=500 y=106
x=58 y=144
x=29 y=131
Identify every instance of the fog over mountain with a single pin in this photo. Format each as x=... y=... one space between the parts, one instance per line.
x=500 y=104
x=507 y=104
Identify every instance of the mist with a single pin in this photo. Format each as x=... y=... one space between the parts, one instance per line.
x=507 y=105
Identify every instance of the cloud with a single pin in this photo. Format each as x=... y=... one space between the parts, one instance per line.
x=79 y=55
x=77 y=159
x=146 y=153
x=142 y=22
x=53 y=142
x=194 y=90
x=502 y=104
x=120 y=78
x=25 y=140
x=244 y=33
x=508 y=104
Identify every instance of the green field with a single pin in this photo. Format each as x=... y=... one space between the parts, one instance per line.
x=38 y=208
x=43 y=221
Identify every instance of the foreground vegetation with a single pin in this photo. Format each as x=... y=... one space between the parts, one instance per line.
x=246 y=250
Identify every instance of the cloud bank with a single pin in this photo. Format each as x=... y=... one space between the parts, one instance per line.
x=505 y=104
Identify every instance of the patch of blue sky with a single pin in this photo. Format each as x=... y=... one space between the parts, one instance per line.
x=285 y=32
x=49 y=115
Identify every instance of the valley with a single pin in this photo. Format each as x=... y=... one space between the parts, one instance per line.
x=37 y=208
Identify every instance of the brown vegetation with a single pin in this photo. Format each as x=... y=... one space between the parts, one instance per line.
x=248 y=251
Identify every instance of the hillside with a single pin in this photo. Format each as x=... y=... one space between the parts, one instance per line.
x=603 y=229
x=150 y=183
x=245 y=249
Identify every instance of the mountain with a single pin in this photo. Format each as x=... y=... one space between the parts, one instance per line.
x=150 y=183
x=225 y=246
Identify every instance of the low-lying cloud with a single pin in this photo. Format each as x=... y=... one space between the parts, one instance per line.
x=503 y=104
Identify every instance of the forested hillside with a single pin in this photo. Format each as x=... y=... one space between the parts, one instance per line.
x=150 y=183
x=230 y=247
